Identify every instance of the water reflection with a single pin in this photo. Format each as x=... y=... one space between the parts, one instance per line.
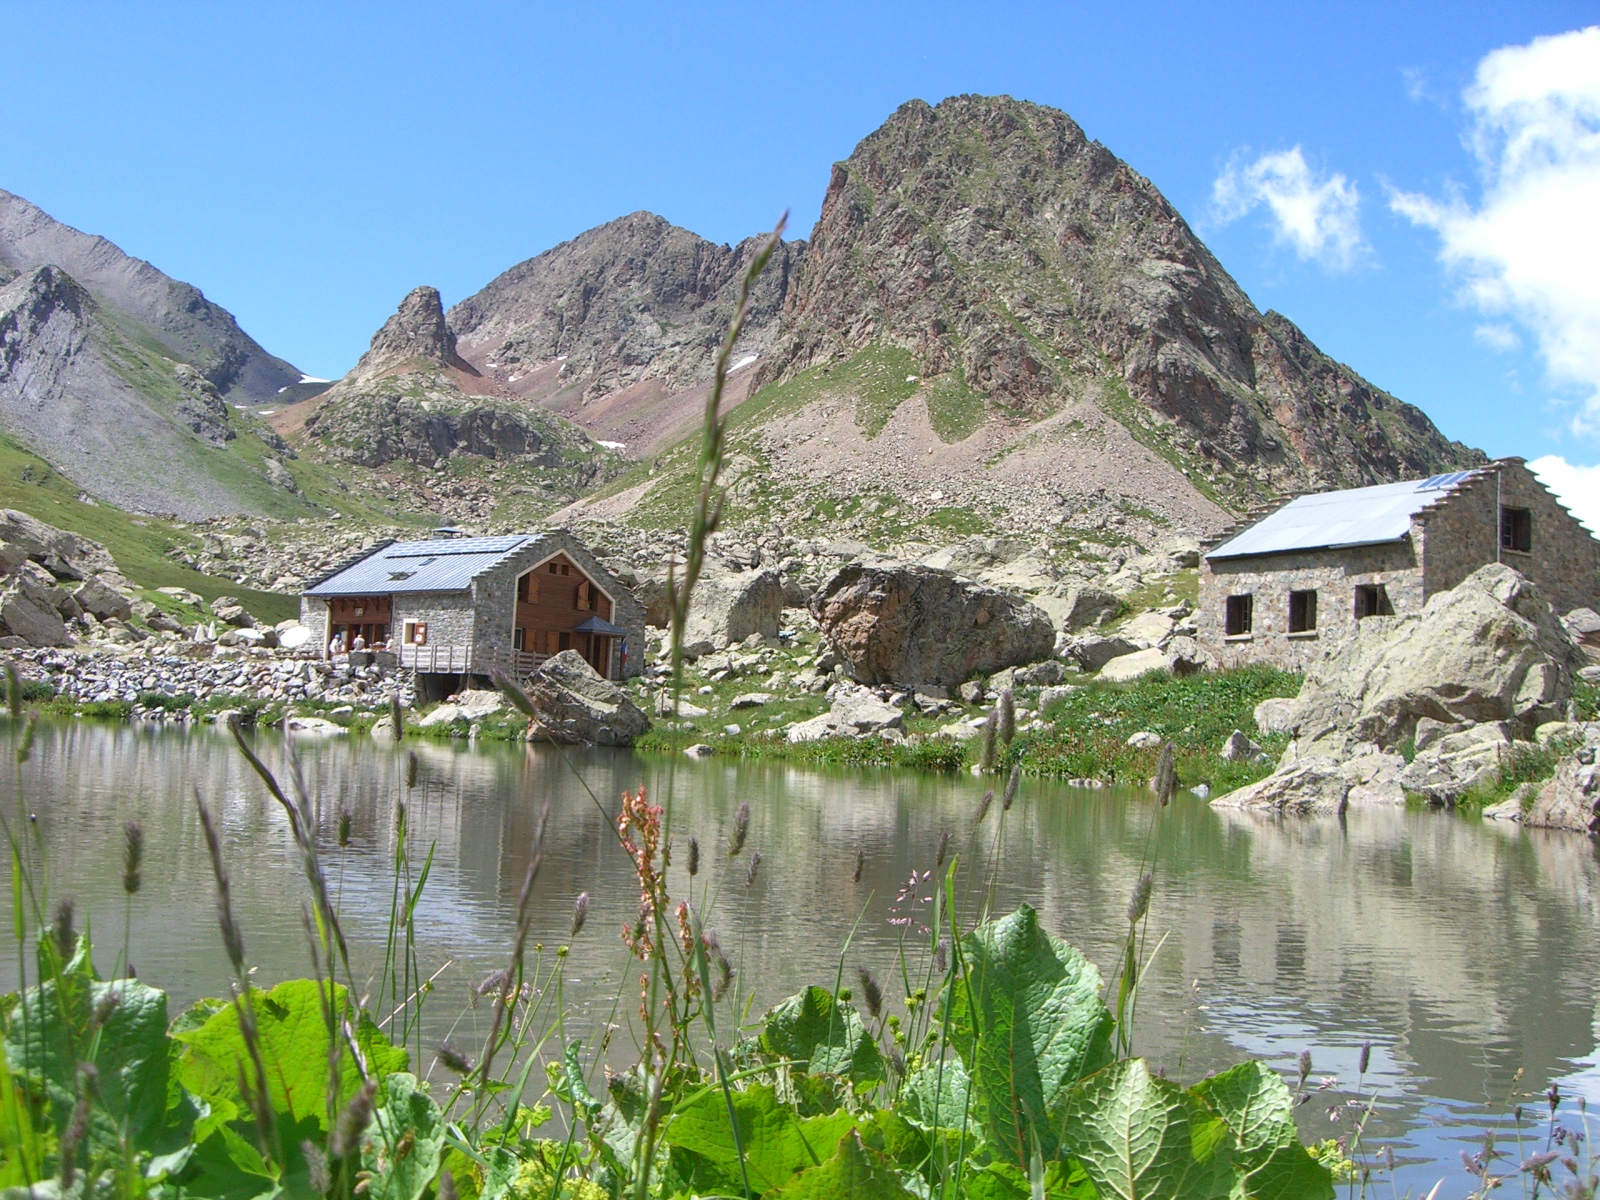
x=1461 y=951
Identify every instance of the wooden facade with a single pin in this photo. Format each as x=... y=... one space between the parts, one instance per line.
x=553 y=599
x=366 y=617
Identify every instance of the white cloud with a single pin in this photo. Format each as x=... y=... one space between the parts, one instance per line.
x=1577 y=487
x=1319 y=218
x=1497 y=336
x=1530 y=249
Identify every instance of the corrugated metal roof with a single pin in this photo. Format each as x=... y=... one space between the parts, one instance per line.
x=440 y=565
x=1355 y=517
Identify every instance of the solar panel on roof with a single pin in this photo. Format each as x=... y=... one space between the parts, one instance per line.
x=1435 y=482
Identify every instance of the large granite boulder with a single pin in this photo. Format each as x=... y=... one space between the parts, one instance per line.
x=728 y=606
x=1570 y=798
x=1490 y=649
x=31 y=610
x=65 y=555
x=913 y=624
x=575 y=706
x=102 y=601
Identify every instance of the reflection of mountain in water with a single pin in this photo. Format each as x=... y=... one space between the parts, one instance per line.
x=1461 y=950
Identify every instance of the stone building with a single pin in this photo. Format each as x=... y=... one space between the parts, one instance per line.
x=1277 y=589
x=456 y=607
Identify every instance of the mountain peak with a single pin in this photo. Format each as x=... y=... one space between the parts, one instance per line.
x=416 y=336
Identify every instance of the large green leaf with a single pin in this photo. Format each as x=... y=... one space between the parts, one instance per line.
x=853 y=1173
x=1143 y=1138
x=1026 y=1017
x=293 y=1036
x=935 y=1095
x=403 y=1147
x=777 y=1142
x=121 y=1027
x=1256 y=1105
x=824 y=1035
x=1002 y=1181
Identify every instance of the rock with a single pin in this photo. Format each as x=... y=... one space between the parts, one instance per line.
x=683 y=710
x=1584 y=626
x=576 y=706
x=1569 y=799
x=296 y=637
x=477 y=703
x=229 y=611
x=1127 y=667
x=1456 y=761
x=1040 y=674
x=1151 y=628
x=1185 y=657
x=65 y=555
x=728 y=606
x=751 y=700
x=1239 y=748
x=1202 y=790
x=1278 y=715
x=1430 y=731
x=1489 y=649
x=1375 y=780
x=971 y=692
x=1313 y=785
x=383 y=729
x=912 y=624
x=104 y=602
x=1144 y=740
x=1551 y=730
x=28 y=611
x=699 y=750
x=1052 y=695
x=1092 y=652
x=312 y=726
x=812 y=730
x=1081 y=607
x=959 y=731
x=855 y=710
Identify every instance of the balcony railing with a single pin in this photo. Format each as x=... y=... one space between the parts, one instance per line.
x=468 y=660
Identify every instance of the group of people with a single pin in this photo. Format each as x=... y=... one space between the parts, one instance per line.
x=341 y=644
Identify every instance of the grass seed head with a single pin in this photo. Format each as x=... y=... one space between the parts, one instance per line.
x=944 y=849
x=1139 y=902
x=412 y=766
x=983 y=807
x=396 y=717
x=580 y=913
x=987 y=750
x=132 y=857
x=61 y=928
x=1011 y=789
x=453 y=1059
x=694 y=856
x=741 y=828
x=1304 y=1064
x=1006 y=713
x=750 y=871
x=871 y=993
x=861 y=861
x=353 y=1121
x=345 y=821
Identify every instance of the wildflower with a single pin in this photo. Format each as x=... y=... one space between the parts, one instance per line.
x=1006 y=716
x=353 y=1121
x=983 y=807
x=580 y=913
x=871 y=993
x=453 y=1058
x=61 y=930
x=1539 y=1164
x=1139 y=902
x=132 y=856
x=861 y=861
x=494 y=983
x=750 y=872
x=694 y=856
x=741 y=828
x=944 y=848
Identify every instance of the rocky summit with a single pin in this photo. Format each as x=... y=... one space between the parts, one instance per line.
x=998 y=326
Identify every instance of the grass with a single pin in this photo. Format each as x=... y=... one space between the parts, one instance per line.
x=955 y=411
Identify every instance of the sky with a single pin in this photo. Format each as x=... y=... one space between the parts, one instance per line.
x=1416 y=185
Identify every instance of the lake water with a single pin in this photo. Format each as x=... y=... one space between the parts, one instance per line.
x=1461 y=950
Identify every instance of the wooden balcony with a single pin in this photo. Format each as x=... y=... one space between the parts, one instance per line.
x=468 y=660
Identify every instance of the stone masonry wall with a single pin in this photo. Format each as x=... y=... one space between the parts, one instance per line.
x=1332 y=574
x=449 y=616
x=1462 y=533
x=314 y=616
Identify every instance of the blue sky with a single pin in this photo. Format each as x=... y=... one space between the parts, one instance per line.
x=1413 y=184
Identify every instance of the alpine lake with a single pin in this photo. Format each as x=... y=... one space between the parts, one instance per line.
x=1463 y=951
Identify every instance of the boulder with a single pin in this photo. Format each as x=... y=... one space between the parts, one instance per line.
x=312 y=726
x=102 y=601
x=1278 y=715
x=1584 y=626
x=1239 y=748
x=1151 y=628
x=296 y=637
x=28 y=611
x=576 y=706
x=812 y=730
x=1488 y=650
x=1569 y=799
x=666 y=707
x=751 y=700
x=1073 y=608
x=728 y=606
x=229 y=611
x=913 y=624
x=1313 y=785
x=65 y=555
x=1126 y=667
x=1092 y=652
x=1454 y=761
x=1145 y=740
x=855 y=710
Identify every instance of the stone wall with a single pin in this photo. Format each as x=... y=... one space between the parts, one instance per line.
x=449 y=616
x=1332 y=574
x=1462 y=533
x=314 y=616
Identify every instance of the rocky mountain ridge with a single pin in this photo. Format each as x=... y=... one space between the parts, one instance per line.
x=173 y=313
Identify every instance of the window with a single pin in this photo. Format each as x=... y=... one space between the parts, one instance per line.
x=518 y=636
x=585 y=598
x=1239 y=618
x=554 y=569
x=1516 y=530
x=564 y=642
x=528 y=589
x=1372 y=600
x=1302 y=612
x=414 y=633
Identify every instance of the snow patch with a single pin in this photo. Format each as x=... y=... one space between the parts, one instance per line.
x=313 y=379
x=612 y=445
x=743 y=363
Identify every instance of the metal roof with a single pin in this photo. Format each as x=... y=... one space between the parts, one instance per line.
x=440 y=565
x=1365 y=516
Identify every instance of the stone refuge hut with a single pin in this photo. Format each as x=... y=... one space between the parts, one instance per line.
x=452 y=608
x=1279 y=588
